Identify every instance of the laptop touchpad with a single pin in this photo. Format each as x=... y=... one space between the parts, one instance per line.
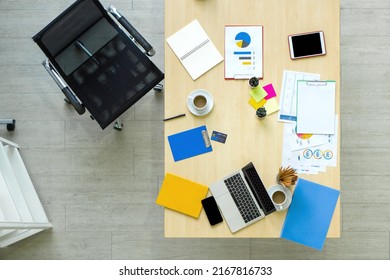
x=228 y=208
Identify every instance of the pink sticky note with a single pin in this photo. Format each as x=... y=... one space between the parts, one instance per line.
x=270 y=91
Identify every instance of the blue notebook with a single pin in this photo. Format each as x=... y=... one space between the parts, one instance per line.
x=190 y=143
x=310 y=214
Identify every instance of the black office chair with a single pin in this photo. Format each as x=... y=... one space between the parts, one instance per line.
x=10 y=123
x=98 y=65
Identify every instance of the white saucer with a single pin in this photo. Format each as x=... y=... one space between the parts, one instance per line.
x=205 y=110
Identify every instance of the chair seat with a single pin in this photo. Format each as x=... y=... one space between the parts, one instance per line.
x=113 y=80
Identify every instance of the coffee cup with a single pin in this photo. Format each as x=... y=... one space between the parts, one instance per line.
x=280 y=196
x=199 y=102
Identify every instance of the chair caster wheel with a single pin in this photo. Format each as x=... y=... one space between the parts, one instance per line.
x=158 y=88
x=118 y=126
x=11 y=126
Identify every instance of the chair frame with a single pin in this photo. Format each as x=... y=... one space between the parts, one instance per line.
x=129 y=30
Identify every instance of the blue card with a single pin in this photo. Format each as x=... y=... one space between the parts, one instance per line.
x=218 y=136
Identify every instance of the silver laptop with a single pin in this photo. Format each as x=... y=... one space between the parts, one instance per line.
x=242 y=198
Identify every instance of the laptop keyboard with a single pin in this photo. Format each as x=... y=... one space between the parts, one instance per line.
x=242 y=198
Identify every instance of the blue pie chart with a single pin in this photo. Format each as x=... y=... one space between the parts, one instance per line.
x=243 y=39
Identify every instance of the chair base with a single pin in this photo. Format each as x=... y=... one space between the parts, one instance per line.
x=11 y=123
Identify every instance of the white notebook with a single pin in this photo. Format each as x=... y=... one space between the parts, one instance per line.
x=194 y=49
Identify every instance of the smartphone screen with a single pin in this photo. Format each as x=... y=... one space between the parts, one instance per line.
x=212 y=211
x=309 y=44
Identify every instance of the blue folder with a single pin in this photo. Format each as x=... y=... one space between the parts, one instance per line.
x=190 y=143
x=310 y=214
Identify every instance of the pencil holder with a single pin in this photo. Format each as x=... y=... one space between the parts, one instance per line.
x=287 y=176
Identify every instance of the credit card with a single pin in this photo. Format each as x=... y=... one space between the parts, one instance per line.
x=218 y=136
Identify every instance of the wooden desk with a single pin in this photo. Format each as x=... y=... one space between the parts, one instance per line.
x=249 y=139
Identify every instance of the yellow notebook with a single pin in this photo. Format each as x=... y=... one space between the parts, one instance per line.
x=182 y=195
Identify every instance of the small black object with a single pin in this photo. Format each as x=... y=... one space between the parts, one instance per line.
x=253 y=82
x=212 y=211
x=261 y=112
x=11 y=126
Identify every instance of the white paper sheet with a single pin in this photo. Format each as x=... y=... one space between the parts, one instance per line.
x=316 y=107
x=194 y=49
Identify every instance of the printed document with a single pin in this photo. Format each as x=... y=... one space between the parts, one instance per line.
x=243 y=51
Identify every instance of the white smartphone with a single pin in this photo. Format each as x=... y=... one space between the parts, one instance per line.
x=307 y=44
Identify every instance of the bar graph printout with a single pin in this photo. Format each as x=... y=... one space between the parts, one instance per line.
x=243 y=51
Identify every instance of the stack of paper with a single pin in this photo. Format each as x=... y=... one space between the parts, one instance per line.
x=311 y=125
x=264 y=97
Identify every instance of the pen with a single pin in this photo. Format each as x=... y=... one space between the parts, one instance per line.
x=171 y=118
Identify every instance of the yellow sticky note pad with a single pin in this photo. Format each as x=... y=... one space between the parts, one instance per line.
x=271 y=106
x=258 y=93
x=182 y=195
x=257 y=105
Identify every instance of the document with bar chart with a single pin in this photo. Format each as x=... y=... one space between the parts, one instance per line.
x=243 y=51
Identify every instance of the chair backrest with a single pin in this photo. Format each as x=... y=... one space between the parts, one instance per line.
x=58 y=37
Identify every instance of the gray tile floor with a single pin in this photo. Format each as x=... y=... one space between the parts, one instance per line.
x=98 y=187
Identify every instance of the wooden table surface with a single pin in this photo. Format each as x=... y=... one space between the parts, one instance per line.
x=249 y=139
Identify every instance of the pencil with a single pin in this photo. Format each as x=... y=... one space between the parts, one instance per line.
x=174 y=117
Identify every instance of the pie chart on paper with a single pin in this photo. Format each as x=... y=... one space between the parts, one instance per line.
x=242 y=39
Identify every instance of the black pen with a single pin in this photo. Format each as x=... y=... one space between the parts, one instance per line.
x=171 y=118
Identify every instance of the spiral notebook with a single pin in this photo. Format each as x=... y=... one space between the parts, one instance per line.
x=195 y=50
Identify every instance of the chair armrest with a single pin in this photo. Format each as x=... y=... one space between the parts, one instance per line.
x=64 y=87
x=133 y=32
